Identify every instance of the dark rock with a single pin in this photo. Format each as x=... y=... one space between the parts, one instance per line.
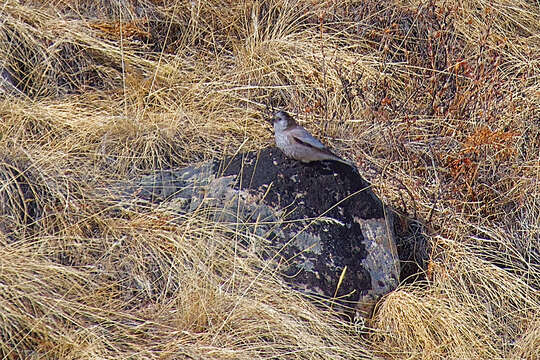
x=331 y=236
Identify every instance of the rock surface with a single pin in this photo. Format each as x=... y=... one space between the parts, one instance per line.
x=331 y=236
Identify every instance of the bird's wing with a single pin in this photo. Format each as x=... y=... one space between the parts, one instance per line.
x=301 y=136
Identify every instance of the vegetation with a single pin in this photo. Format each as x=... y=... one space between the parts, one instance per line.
x=437 y=102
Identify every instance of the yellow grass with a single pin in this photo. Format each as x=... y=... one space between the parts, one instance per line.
x=438 y=104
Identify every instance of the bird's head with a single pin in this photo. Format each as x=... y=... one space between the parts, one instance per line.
x=281 y=120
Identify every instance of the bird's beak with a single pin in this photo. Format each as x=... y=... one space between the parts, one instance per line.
x=271 y=120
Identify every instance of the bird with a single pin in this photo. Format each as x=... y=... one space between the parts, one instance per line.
x=297 y=143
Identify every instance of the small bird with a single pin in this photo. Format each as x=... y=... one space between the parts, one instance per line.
x=297 y=143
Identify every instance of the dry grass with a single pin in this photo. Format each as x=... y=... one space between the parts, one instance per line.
x=438 y=103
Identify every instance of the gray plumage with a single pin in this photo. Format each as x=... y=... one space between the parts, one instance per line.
x=297 y=143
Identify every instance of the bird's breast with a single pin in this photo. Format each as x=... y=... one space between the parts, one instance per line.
x=285 y=143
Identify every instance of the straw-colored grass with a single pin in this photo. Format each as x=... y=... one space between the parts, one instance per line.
x=437 y=103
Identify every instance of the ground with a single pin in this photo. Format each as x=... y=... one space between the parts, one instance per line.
x=436 y=103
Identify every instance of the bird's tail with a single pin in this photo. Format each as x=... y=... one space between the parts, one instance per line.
x=347 y=162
